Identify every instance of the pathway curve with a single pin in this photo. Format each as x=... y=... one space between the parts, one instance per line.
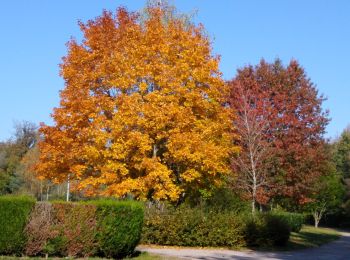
x=339 y=249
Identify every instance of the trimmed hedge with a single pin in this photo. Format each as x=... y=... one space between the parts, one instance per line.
x=119 y=226
x=97 y=228
x=14 y=214
x=194 y=227
x=294 y=220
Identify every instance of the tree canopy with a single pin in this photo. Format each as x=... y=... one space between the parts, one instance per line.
x=287 y=115
x=142 y=112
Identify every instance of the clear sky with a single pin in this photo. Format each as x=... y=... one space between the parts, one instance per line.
x=315 y=32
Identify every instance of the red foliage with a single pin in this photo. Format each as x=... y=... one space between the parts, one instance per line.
x=76 y=223
x=291 y=105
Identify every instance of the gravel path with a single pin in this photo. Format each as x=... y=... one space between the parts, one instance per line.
x=339 y=249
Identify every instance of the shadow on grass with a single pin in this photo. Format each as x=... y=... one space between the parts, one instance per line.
x=312 y=237
x=308 y=237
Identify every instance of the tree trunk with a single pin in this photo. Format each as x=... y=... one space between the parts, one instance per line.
x=317 y=218
x=253 y=206
x=47 y=192
x=41 y=190
x=68 y=188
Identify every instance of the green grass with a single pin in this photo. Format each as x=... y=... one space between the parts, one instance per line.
x=310 y=236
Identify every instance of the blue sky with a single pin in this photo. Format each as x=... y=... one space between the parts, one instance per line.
x=316 y=33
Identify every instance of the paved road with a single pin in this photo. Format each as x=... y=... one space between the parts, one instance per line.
x=339 y=249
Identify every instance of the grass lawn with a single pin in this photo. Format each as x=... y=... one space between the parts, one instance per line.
x=310 y=236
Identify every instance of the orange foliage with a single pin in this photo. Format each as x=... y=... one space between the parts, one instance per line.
x=143 y=110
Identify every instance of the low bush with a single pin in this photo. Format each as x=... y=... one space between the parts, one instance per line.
x=192 y=227
x=294 y=220
x=277 y=230
x=104 y=228
x=265 y=230
x=14 y=214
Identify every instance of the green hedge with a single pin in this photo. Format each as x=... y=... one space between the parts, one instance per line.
x=194 y=227
x=14 y=214
x=294 y=220
x=97 y=228
x=119 y=226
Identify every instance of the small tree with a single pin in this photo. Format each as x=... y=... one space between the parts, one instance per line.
x=251 y=123
x=327 y=196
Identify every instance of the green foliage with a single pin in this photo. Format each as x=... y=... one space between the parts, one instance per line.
x=196 y=227
x=14 y=214
x=266 y=230
x=342 y=154
x=294 y=220
x=328 y=195
x=119 y=226
x=192 y=227
x=277 y=230
x=56 y=246
x=224 y=199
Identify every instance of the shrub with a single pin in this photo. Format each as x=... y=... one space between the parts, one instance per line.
x=266 y=230
x=119 y=226
x=294 y=220
x=254 y=232
x=277 y=230
x=106 y=228
x=38 y=229
x=14 y=214
x=192 y=227
x=62 y=229
x=74 y=228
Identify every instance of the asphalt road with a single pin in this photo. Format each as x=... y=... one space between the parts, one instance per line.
x=339 y=249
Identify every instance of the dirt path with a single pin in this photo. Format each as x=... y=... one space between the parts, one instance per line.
x=339 y=249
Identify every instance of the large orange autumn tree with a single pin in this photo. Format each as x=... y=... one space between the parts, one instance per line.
x=142 y=112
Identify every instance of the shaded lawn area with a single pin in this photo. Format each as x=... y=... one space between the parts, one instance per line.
x=310 y=236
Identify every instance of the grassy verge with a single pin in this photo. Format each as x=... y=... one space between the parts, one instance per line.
x=310 y=236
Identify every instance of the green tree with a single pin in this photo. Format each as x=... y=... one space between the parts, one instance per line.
x=328 y=194
x=342 y=153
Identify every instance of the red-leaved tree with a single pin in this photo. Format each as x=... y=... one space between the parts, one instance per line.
x=289 y=124
x=252 y=123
